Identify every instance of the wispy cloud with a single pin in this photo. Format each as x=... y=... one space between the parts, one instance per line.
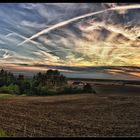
x=70 y=34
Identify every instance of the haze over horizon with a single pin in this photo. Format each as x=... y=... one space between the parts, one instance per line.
x=87 y=40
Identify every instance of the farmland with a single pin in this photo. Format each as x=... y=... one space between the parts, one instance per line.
x=71 y=115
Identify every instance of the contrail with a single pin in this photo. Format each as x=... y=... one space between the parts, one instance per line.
x=63 y=23
x=38 y=45
x=23 y=37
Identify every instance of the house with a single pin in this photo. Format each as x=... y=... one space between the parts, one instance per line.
x=78 y=85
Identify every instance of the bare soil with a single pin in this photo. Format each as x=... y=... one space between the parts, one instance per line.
x=71 y=115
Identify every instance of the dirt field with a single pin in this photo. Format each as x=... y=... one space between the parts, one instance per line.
x=71 y=115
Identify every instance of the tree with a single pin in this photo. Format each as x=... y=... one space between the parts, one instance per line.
x=24 y=84
x=40 y=84
x=50 y=80
x=88 y=88
x=6 y=78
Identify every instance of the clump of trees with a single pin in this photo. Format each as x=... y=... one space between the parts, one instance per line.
x=50 y=82
x=6 y=78
x=8 y=82
x=40 y=84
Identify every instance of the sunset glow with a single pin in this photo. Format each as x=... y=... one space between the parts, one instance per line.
x=39 y=36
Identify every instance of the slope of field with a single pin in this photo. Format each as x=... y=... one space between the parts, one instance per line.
x=71 y=115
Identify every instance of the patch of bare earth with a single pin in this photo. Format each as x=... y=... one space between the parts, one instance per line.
x=71 y=115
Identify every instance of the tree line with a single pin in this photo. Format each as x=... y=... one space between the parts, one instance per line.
x=50 y=82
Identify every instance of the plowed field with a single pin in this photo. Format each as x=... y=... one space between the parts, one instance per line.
x=71 y=115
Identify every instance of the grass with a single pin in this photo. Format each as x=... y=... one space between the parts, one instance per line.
x=3 y=95
x=3 y=133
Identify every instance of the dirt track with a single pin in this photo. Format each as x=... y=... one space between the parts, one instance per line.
x=71 y=115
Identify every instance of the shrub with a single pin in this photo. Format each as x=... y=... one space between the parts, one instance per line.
x=70 y=90
x=43 y=90
x=88 y=89
x=12 y=89
x=2 y=133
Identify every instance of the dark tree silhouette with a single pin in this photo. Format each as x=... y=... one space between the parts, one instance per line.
x=6 y=78
x=50 y=80
x=88 y=88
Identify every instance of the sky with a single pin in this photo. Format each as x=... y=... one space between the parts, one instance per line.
x=90 y=40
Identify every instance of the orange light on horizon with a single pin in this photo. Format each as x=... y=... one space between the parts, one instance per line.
x=135 y=74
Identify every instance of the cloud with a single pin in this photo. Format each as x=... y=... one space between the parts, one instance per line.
x=70 y=34
x=32 y=24
x=2 y=42
x=63 y=23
